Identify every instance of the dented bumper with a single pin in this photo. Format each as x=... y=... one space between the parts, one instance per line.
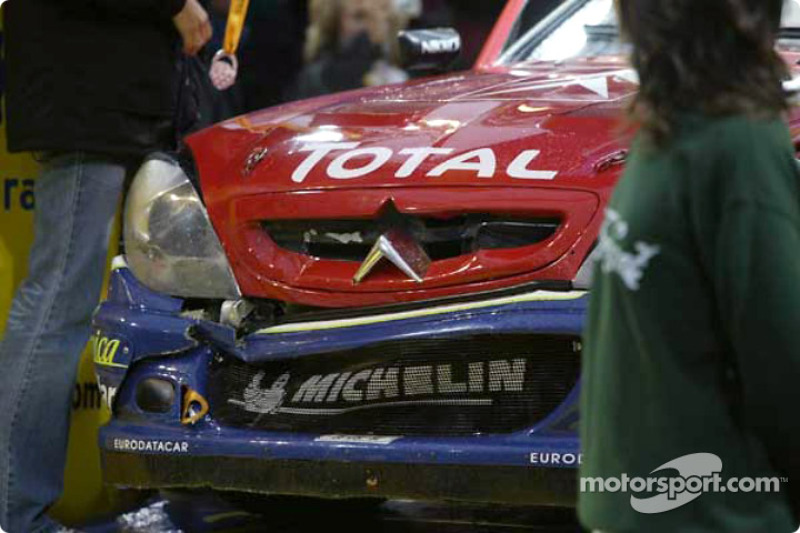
x=279 y=429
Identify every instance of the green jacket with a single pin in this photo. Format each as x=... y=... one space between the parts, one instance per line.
x=692 y=343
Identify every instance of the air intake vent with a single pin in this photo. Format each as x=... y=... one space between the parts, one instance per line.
x=461 y=386
x=351 y=240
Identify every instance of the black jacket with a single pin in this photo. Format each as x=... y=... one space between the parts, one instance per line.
x=91 y=75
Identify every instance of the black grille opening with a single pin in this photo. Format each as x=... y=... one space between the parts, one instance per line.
x=460 y=386
x=351 y=240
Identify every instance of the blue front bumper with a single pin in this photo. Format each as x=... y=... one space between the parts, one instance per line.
x=140 y=334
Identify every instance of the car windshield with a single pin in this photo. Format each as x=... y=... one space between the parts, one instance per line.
x=588 y=28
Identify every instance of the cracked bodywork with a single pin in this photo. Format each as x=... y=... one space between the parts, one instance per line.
x=165 y=343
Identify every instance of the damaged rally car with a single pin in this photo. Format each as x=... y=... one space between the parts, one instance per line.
x=377 y=293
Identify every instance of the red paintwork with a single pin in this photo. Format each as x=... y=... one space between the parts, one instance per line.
x=502 y=28
x=507 y=109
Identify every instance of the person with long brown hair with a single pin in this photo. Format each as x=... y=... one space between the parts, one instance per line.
x=691 y=358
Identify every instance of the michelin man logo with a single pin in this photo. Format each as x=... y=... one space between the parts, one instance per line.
x=264 y=401
x=629 y=266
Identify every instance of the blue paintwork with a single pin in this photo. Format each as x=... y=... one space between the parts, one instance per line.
x=161 y=343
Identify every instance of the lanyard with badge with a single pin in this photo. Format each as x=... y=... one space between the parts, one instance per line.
x=224 y=66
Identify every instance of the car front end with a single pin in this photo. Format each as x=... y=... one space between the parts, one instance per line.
x=372 y=294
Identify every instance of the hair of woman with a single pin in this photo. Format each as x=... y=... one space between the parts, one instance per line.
x=715 y=57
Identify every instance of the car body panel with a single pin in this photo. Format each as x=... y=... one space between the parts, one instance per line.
x=162 y=342
x=264 y=168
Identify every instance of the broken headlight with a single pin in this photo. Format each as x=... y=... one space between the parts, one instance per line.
x=170 y=244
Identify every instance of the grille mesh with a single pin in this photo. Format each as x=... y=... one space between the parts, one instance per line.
x=462 y=386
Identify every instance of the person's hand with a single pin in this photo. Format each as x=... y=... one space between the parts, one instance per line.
x=193 y=25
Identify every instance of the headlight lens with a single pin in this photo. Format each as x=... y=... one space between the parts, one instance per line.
x=170 y=244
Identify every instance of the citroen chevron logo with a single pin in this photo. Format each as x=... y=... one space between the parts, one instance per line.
x=399 y=248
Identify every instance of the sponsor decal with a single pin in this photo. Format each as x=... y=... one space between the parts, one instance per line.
x=86 y=396
x=466 y=384
x=105 y=350
x=697 y=474
x=357 y=439
x=108 y=394
x=438 y=46
x=151 y=446
x=352 y=162
x=264 y=401
x=556 y=459
x=18 y=194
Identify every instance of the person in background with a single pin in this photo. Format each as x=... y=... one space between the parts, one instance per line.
x=474 y=20
x=91 y=88
x=350 y=44
x=272 y=51
x=691 y=343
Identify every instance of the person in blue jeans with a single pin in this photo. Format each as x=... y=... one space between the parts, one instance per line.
x=91 y=87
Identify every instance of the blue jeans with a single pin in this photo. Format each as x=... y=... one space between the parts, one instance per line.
x=48 y=327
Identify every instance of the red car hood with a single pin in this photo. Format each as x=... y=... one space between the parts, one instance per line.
x=534 y=143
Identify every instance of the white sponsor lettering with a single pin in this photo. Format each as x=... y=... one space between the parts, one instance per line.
x=338 y=168
x=357 y=162
x=519 y=167
x=444 y=373
x=315 y=389
x=556 y=459
x=485 y=163
x=337 y=388
x=318 y=152
x=418 y=380
x=108 y=394
x=476 y=377
x=385 y=386
x=438 y=46
x=507 y=375
x=152 y=446
x=350 y=393
x=418 y=156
